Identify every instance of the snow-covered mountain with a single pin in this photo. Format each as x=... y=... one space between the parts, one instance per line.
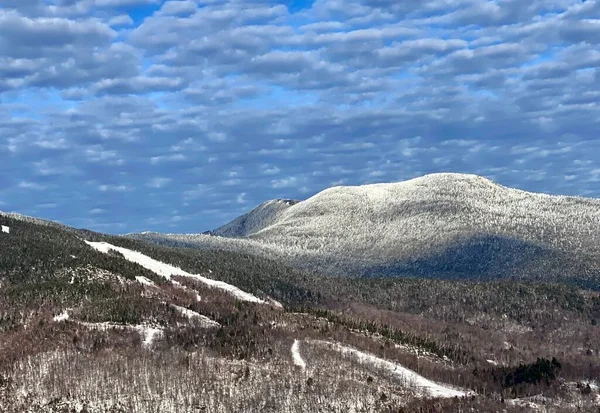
x=264 y=215
x=179 y=330
x=455 y=224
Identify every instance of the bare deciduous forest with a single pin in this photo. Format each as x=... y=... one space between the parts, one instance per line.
x=83 y=330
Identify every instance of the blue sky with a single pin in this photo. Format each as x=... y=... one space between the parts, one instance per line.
x=177 y=116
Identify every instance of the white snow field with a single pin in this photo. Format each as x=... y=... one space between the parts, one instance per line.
x=166 y=270
x=413 y=379
x=296 y=357
x=378 y=223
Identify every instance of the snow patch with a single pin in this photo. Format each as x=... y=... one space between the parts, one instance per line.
x=145 y=281
x=275 y=303
x=296 y=357
x=426 y=386
x=167 y=270
x=183 y=287
x=207 y=322
x=62 y=316
x=148 y=333
x=5 y=229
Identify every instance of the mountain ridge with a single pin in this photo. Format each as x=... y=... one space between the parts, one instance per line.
x=87 y=306
x=362 y=229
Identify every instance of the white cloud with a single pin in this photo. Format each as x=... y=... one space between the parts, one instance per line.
x=93 y=97
x=288 y=182
x=31 y=185
x=158 y=182
x=167 y=158
x=113 y=188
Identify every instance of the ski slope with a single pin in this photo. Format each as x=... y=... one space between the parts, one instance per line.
x=413 y=379
x=167 y=271
x=192 y=315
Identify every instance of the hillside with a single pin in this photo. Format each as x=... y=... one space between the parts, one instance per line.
x=190 y=330
x=439 y=225
x=263 y=216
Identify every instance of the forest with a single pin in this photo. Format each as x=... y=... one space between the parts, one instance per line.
x=80 y=315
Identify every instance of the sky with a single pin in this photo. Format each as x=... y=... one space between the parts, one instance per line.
x=177 y=116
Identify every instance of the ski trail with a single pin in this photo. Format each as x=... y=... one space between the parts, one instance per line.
x=205 y=321
x=145 y=281
x=166 y=270
x=149 y=333
x=426 y=386
x=296 y=357
x=183 y=287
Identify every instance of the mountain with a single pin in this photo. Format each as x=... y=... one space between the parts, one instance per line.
x=186 y=330
x=440 y=225
x=263 y=216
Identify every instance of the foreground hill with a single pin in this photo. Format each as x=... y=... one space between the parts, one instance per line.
x=186 y=330
x=440 y=225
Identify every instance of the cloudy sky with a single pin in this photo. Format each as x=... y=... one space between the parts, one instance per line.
x=131 y=115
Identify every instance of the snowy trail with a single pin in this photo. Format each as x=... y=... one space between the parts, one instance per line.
x=296 y=357
x=166 y=270
x=148 y=332
x=183 y=287
x=145 y=281
x=414 y=379
x=207 y=322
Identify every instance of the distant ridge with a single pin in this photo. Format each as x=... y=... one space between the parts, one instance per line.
x=257 y=219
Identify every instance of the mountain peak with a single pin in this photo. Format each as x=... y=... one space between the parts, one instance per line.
x=255 y=220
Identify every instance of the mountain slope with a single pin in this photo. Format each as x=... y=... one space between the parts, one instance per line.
x=439 y=225
x=183 y=330
x=262 y=216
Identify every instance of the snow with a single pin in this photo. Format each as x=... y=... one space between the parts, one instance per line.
x=423 y=384
x=62 y=316
x=5 y=229
x=149 y=333
x=296 y=357
x=167 y=270
x=275 y=303
x=145 y=281
x=527 y=403
x=492 y=362
x=260 y=217
x=207 y=322
x=379 y=223
x=183 y=287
